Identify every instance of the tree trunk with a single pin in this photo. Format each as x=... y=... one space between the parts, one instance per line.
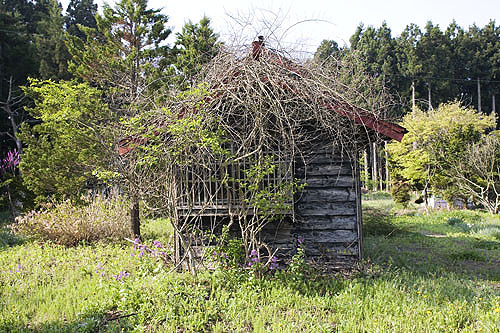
x=429 y=95
x=478 y=96
x=493 y=106
x=135 y=222
x=9 y=106
x=413 y=95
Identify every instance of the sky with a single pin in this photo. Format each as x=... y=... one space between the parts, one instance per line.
x=301 y=25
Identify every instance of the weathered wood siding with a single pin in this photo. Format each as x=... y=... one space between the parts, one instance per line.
x=327 y=214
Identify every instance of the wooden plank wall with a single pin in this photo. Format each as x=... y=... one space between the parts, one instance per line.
x=327 y=214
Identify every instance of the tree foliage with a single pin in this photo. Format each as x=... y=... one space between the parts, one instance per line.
x=436 y=140
x=477 y=173
x=64 y=147
x=80 y=12
x=441 y=65
x=50 y=44
x=197 y=44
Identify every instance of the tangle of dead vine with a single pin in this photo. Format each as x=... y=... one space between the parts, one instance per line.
x=228 y=147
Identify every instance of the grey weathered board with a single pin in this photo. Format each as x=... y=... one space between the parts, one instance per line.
x=327 y=214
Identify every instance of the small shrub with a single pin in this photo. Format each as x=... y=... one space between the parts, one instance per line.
x=454 y=220
x=67 y=224
x=229 y=252
x=8 y=239
x=380 y=195
x=401 y=193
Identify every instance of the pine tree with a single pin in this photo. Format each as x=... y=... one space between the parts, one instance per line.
x=197 y=45
x=326 y=50
x=120 y=57
x=409 y=65
x=80 y=12
x=17 y=61
x=50 y=44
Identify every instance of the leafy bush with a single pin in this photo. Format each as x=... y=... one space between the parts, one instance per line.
x=7 y=238
x=401 y=193
x=379 y=195
x=454 y=220
x=67 y=224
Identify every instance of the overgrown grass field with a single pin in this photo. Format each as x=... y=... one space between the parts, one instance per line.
x=437 y=272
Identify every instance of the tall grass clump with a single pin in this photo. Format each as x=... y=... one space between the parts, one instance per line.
x=64 y=223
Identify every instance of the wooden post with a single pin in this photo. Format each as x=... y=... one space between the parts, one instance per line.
x=367 y=172
x=359 y=213
x=380 y=166
x=387 y=176
x=493 y=106
x=374 y=167
x=478 y=96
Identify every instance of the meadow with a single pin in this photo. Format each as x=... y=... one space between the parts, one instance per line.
x=422 y=272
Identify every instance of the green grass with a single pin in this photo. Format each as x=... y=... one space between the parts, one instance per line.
x=421 y=274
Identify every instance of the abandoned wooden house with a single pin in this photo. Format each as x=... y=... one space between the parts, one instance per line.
x=325 y=215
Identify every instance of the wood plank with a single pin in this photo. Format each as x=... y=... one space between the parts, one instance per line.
x=327 y=195
x=328 y=209
x=323 y=169
x=328 y=158
x=333 y=250
x=331 y=236
x=326 y=223
x=328 y=181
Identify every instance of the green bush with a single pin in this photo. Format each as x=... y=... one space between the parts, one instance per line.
x=401 y=193
x=454 y=220
x=69 y=224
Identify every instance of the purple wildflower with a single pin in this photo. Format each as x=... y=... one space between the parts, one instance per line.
x=136 y=243
x=254 y=257
x=19 y=267
x=157 y=244
x=100 y=269
x=274 y=263
x=120 y=276
x=300 y=240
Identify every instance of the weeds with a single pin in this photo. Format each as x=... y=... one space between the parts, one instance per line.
x=66 y=224
x=110 y=287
